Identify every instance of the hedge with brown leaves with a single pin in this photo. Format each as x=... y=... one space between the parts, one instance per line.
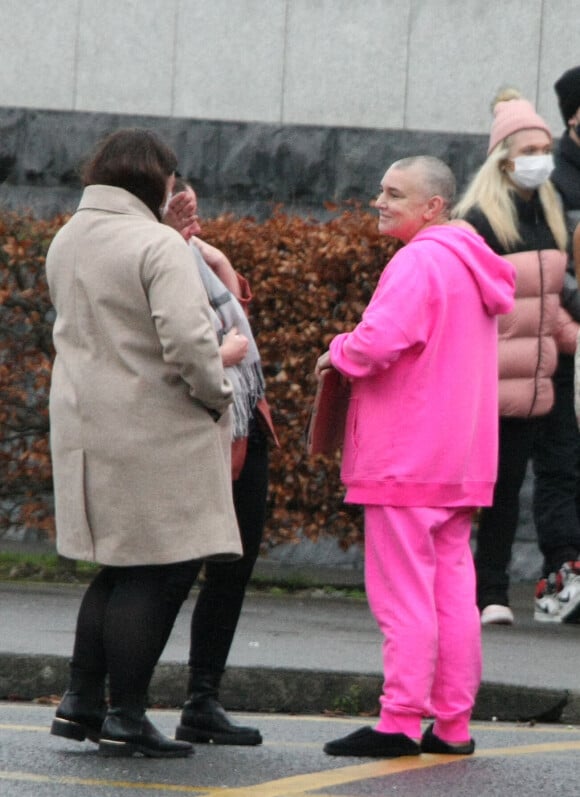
x=310 y=281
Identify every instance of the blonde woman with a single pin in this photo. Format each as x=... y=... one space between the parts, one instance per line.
x=513 y=205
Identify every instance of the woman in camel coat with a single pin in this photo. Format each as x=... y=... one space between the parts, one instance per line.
x=140 y=436
x=141 y=468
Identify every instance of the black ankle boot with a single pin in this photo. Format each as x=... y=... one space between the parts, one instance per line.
x=126 y=732
x=203 y=718
x=82 y=709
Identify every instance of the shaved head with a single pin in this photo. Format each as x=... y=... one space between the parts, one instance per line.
x=436 y=177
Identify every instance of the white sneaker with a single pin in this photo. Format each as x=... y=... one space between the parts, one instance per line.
x=547 y=603
x=495 y=614
x=569 y=595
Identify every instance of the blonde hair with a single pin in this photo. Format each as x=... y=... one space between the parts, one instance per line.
x=493 y=192
x=505 y=94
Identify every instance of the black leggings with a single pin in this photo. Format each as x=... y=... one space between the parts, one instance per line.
x=498 y=523
x=219 y=604
x=124 y=622
x=557 y=474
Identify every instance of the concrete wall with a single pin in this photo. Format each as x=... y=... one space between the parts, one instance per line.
x=405 y=64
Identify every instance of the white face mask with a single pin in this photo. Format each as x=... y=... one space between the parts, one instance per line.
x=530 y=171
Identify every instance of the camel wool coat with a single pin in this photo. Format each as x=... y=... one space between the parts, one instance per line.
x=139 y=402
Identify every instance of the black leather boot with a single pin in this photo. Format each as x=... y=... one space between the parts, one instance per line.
x=203 y=718
x=128 y=731
x=82 y=709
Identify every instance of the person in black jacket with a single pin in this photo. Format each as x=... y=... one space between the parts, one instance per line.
x=221 y=596
x=556 y=503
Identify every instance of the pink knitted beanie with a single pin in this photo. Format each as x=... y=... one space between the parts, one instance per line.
x=511 y=115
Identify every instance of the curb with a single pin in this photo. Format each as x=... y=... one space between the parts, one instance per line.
x=290 y=691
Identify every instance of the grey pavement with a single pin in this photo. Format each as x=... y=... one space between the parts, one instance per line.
x=306 y=653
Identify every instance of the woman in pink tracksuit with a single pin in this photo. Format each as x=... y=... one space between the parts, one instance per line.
x=420 y=452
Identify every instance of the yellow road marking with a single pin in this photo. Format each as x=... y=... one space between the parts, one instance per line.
x=111 y=784
x=299 y=785
x=19 y=727
x=528 y=749
x=500 y=726
x=283 y=787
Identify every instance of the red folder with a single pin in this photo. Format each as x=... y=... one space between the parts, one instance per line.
x=325 y=432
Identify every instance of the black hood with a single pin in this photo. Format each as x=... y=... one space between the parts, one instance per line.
x=566 y=175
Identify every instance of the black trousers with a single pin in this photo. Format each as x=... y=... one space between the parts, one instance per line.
x=219 y=603
x=124 y=622
x=557 y=474
x=552 y=441
x=498 y=523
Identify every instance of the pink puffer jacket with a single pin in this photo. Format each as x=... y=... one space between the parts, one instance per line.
x=528 y=351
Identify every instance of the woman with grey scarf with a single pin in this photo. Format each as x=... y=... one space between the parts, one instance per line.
x=218 y=606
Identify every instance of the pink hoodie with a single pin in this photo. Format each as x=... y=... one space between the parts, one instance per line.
x=422 y=425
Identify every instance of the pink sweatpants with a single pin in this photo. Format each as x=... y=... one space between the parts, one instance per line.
x=420 y=583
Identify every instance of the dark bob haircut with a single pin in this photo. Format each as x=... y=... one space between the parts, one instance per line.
x=134 y=159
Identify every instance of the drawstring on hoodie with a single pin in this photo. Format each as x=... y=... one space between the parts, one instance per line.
x=540 y=334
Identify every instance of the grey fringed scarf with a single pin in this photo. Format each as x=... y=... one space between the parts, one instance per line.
x=246 y=377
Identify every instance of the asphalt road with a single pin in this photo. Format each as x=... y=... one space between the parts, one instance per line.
x=514 y=760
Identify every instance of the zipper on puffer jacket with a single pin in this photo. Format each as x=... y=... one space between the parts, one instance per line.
x=540 y=334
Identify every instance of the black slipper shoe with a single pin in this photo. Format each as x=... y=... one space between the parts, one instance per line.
x=374 y=744
x=433 y=744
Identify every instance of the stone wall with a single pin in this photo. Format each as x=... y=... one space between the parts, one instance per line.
x=240 y=167
x=380 y=64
